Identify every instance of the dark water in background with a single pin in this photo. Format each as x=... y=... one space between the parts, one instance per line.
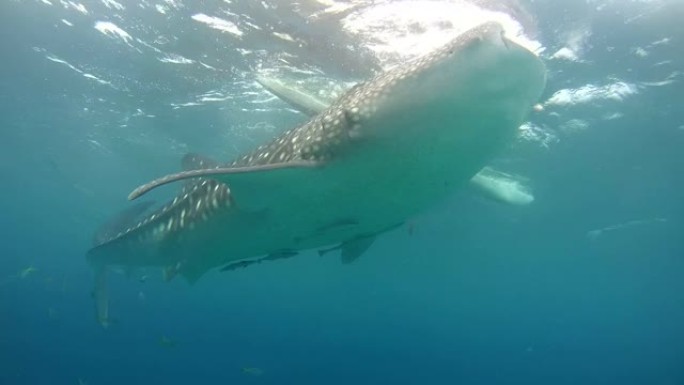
x=480 y=293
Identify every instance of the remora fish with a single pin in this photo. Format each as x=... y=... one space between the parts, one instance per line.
x=386 y=150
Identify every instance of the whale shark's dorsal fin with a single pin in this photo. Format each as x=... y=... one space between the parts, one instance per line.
x=193 y=161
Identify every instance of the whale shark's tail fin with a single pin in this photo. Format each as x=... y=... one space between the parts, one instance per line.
x=104 y=234
x=101 y=296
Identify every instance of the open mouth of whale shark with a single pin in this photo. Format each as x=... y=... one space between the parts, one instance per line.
x=383 y=152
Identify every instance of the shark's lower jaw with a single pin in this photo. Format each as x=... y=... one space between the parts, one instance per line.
x=388 y=149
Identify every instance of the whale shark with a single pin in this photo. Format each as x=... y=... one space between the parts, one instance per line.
x=489 y=182
x=386 y=150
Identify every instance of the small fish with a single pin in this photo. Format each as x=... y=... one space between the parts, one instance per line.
x=238 y=265
x=282 y=254
x=167 y=342
x=338 y=223
x=323 y=252
x=27 y=271
x=411 y=228
x=253 y=371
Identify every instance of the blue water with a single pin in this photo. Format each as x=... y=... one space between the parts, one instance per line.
x=583 y=286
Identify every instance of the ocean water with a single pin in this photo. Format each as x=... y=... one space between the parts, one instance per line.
x=585 y=285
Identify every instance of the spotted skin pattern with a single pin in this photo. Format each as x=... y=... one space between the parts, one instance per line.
x=196 y=203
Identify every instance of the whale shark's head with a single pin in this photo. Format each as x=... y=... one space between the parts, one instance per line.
x=471 y=94
x=479 y=73
x=481 y=63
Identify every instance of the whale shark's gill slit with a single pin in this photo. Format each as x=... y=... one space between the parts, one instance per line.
x=144 y=189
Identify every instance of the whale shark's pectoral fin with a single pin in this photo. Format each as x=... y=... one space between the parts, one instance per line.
x=501 y=187
x=170 y=272
x=217 y=173
x=352 y=250
x=301 y=100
